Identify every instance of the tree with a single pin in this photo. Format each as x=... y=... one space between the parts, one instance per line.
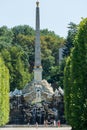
x=67 y=90
x=78 y=85
x=6 y=35
x=70 y=38
x=24 y=30
x=19 y=72
x=49 y=47
x=4 y=93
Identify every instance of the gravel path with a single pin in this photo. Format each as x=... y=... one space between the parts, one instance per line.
x=33 y=128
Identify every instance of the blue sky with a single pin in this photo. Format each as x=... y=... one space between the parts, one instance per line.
x=54 y=14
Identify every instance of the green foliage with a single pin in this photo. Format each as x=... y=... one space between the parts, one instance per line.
x=57 y=75
x=16 y=61
x=67 y=89
x=49 y=47
x=27 y=45
x=4 y=93
x=75 y=81
x=6 y=35
x=19 y=71
x=70 y=38
x=23 y=30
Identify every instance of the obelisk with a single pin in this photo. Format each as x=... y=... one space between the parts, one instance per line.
x=38 y=66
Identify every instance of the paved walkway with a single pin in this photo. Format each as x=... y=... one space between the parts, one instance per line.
x=39 y=128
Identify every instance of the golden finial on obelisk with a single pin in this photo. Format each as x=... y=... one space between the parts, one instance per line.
x=37 y=3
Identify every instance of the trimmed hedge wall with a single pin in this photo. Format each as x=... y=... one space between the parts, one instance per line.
x=4 y=93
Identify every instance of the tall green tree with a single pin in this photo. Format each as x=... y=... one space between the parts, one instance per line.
x=70 y=38
x=67 y=90
x=4 y=93
x=78 y=74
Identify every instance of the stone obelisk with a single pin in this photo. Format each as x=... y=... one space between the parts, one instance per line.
x=38 y=66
